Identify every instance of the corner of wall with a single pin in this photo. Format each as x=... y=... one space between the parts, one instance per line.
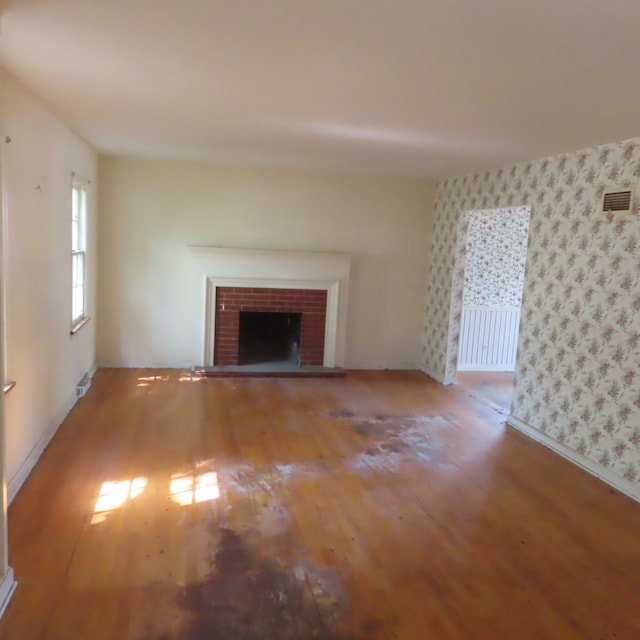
x=432 y=374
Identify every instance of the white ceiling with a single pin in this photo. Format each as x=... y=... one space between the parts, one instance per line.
x=417 y=87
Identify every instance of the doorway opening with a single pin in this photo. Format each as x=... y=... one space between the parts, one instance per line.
x=494 y=268
x=494 y=260
x=269 y=337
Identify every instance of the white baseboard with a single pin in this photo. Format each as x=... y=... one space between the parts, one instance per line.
x=485 y=367
x=30 y=461
x=127 y=364
x=349 y=366
x=367 y=366
x=623 y=485
x=432 y=374
x=7 y=587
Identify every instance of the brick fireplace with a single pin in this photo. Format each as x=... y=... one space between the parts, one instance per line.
x=230 y=301
x=228 y=281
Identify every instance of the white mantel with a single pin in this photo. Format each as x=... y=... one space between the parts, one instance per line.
x=214 y=267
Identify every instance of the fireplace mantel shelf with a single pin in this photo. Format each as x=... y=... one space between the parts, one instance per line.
x=270 y=253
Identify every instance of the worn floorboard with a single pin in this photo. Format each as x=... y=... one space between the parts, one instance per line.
x=492 y=388
x=377 y=506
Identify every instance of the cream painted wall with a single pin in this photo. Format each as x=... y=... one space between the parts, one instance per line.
x=151 y=210
x=44 y=360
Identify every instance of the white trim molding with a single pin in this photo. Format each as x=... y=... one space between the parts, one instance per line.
x=8 y=585
x=485 y=367
x=15 y=484
x=623 y=485
x=214 y=267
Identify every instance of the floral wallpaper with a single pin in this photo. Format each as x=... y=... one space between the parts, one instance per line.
x=578 y=366
x=495 y=257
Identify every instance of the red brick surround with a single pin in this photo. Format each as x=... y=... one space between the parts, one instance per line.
x=312 y=303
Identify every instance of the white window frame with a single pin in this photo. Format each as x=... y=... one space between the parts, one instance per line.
x=78 y=228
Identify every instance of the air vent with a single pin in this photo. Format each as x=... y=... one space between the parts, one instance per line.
x=617 y=201
x=83 y=386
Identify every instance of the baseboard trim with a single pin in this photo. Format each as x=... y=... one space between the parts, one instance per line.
x=145 y=365
x=432 y=374
x=485 y=367
x=623 y=485
x=350 y=366
x=30 y=461
x=7 y=587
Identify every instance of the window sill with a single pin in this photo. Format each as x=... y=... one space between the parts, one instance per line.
x=9 y=385
x=78 y=325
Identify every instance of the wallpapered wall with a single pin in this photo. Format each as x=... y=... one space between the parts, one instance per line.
x=577 y=375
x=495 y=257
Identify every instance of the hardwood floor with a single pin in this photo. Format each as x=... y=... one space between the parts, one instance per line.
x=494 y=388
x=381 y=505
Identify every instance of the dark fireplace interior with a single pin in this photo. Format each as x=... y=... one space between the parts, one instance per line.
x=267 y=336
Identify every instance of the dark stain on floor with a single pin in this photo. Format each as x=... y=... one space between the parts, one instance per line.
x=370 y=428
x=251 y=597
x=340 y=413
x=389 y=440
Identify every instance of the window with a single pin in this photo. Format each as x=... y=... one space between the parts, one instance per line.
x=78 y=255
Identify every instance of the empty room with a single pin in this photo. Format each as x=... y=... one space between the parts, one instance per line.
x=319 y=320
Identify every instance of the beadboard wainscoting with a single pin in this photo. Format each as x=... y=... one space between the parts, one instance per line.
x=488 y=338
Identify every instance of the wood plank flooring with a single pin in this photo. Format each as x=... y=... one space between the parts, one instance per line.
x=494 y=388
x=381 y=505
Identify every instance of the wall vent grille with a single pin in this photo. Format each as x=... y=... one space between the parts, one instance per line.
x=83 y=386
x=617 y=201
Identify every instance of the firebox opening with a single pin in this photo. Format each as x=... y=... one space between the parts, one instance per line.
x=267 y=336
